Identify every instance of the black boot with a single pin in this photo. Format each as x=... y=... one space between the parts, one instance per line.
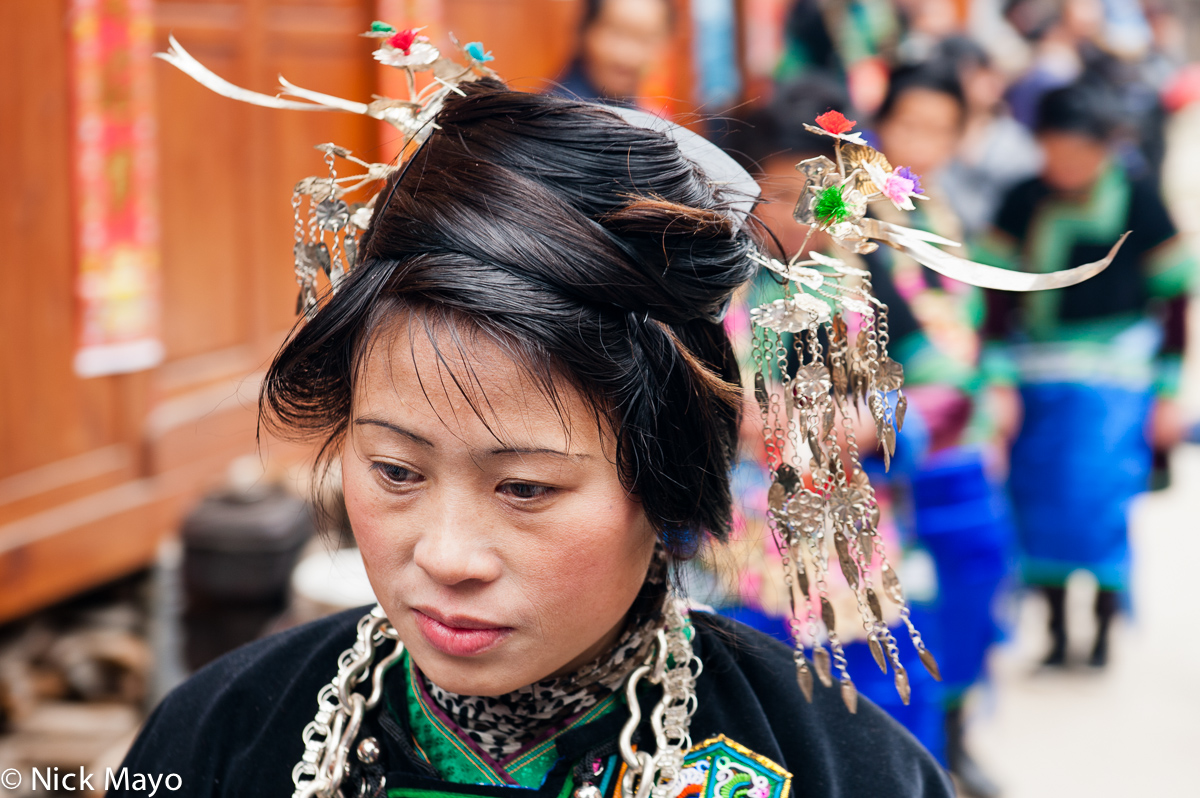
x=971 y=779
x=1106 y=608
x=1056 y=597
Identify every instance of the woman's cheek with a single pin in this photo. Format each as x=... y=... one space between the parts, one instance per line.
x=372 y=523
x=601 y=569
x=358 y=499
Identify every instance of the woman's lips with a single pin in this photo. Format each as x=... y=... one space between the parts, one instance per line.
x=458 y=637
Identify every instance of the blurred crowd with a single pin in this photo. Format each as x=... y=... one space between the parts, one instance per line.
x=1036 y=130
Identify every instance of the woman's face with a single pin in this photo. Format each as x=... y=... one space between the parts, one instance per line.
x=922 y=131
x=621 y=45
x=503 y=548
x=984 y=88
x=1074 y=162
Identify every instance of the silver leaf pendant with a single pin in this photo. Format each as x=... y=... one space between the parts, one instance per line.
x=873 y=603
x=760 y=393
x=877 y=652
x=804 y=678
x=850 y=696
x=902 y=685
x=821 y=663
x=930 y=663
x=315 y=256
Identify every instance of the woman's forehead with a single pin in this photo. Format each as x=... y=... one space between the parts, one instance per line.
x=459 y=383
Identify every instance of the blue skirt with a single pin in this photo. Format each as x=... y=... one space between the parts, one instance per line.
x=1079 y=461
x=962 y=520
x=924 y=715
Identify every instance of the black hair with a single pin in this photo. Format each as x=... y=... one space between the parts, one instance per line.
x=1086 y=107
x=593 y=8
x=1032 y=18
x=937 y=75
x=591 y=250
x=806 y=30
x=778 y=127
x=964 y=52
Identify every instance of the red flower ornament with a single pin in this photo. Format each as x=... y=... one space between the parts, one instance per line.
x=403 y=40
x=834 y=125
x=405 y=49
x=834 y=122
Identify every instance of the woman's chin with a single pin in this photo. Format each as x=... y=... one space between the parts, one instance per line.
x=481 y=677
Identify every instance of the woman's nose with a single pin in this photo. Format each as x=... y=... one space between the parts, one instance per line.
x=454 y=548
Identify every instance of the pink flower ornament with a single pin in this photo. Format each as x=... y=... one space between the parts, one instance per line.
x=900 y=186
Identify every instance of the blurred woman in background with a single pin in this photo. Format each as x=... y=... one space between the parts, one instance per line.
x=619 y=41
x=996 y=151
x=1097 y=364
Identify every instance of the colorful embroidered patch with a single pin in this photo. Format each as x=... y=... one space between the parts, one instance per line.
x=721 y=768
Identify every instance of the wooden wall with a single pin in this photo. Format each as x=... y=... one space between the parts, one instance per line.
x=94 y=473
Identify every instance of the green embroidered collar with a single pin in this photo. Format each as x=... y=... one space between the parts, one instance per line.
x=458 y=759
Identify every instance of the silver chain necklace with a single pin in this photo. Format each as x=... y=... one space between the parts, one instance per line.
x=329 y=737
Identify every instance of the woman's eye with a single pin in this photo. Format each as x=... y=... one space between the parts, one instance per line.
x=525 y=490
x=393 y=474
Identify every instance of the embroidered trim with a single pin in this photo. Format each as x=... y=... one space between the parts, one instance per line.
x=722 y=768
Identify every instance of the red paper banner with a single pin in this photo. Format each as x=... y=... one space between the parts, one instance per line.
x=116 y=215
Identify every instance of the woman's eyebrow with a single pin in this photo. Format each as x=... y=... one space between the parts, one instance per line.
x=516 y=450
x=378 y=422
x=369 y=421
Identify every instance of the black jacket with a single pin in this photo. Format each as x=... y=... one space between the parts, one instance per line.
x=234 y=728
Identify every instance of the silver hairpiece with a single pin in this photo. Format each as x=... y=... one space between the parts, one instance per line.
x=814 y=373
x=327 y=227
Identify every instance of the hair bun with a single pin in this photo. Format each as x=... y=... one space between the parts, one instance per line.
x=692 y=254
x=657 y=210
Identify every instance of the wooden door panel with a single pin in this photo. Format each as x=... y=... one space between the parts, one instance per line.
x=38 y=489
x=53 y=554
x=204 y=273
x=46 y=412
x=251 y=160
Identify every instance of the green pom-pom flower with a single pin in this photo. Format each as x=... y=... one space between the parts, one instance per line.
x=831 y=207
x=381 y=27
